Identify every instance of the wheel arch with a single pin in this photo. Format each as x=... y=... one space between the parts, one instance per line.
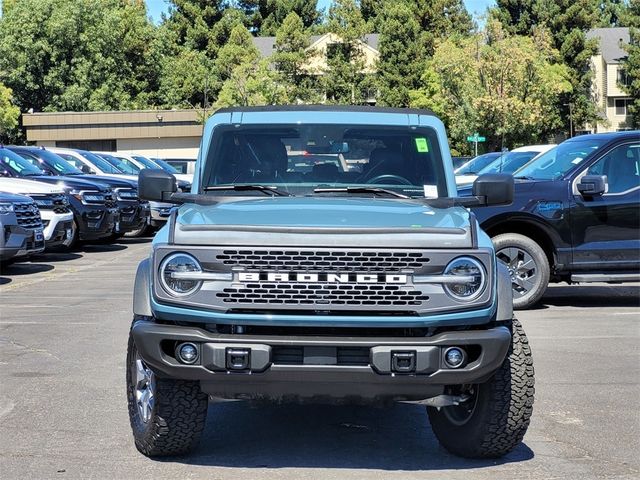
x=142 y=290
x=529 y=227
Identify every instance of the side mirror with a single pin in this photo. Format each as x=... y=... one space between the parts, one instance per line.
x=493 y=189
x=156 y=185
x=592 y=185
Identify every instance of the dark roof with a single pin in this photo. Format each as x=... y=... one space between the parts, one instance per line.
x=266 y=45
x=635 y=134
x=611 y=40
x=326 y=108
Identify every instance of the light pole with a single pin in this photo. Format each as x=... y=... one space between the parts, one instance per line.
x=570 y=105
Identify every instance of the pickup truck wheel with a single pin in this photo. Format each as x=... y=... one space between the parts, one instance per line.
x=528 y=266
x=167 y=416
x=494 y=419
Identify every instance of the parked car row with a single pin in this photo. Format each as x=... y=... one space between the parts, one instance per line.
x=77 y=196
x=575 y=215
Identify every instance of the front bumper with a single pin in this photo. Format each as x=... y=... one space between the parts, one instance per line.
x=58 y=227
x=95 y=221
x=133 y=215
x=313 y=367
x=19 y=242
x=160 y=213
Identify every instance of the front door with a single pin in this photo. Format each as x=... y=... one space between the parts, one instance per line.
x=606 y=228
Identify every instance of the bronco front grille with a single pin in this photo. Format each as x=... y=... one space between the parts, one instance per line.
x=27 y=215
x=324 y=260
x=323 y=294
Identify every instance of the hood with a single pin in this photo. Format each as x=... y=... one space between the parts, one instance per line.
x=13 y=198
x=74 y=182
x=114 y=182
x=128 y=178
x=27 y=187
x=323 y=222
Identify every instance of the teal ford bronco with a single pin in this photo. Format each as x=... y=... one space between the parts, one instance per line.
x=323 y=256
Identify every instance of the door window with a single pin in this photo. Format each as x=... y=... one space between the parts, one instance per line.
x=621 y=166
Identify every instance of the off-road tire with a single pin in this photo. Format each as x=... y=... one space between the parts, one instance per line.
x=177 y=419
x=502 y=412
x=540 y=259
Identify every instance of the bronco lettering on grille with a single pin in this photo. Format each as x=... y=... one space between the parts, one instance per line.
x=322 y=277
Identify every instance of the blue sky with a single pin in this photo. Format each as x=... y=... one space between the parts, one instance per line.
x=475 y=7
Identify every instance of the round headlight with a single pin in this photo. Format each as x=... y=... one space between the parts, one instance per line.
x=179 y=263
x=472 y=286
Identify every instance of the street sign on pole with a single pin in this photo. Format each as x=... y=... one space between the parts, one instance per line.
x=476 y=138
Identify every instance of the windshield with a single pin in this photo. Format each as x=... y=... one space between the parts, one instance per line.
x=54 y=162
x=473 y=166
x=120 y=165
x=165 y=166
x=300 y=158
x=556 y=162
x=508 y=163
x=145 y=161
x=101 y=164
x=14 y=163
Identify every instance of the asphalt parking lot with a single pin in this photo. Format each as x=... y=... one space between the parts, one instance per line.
x=64 y=320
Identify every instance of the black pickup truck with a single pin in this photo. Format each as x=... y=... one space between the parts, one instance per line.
x=575 y=216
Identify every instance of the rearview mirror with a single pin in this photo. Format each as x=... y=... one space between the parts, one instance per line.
x=592 y=185
x=156 y=185
x=493 y=189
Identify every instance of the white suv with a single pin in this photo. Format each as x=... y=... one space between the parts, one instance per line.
x=57 y=218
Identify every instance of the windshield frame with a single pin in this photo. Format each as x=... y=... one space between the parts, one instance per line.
x=46 y=157
x=17 y=158
x=598 y=144
x=435 y=153
x=99 y=163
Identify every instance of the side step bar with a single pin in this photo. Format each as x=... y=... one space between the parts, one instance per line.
x=603 y=277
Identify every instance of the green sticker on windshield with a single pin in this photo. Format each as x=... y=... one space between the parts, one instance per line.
x=421 y=145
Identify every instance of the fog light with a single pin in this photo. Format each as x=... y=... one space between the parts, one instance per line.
x=454 y=357
x=187 y=353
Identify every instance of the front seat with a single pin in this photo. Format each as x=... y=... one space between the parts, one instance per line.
x=622 y=171
x=384 y=161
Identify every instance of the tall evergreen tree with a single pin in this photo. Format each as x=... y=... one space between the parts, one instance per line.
x=266 y=16
x=401 y=61
x=292 y=56
x=346 y=80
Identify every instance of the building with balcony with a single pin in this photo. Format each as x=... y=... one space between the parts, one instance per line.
x=609 y=80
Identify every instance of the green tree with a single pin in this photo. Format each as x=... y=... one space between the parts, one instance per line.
x=440 y=19
x=631 y=18
x=78 y=54
x=292 y=56
x=238 y=50
x=346 y=80
x=503 y=86
x=253 y=83
x=568 y=21
x=191 y=21
x=266 y=16
x=401 y=63
x=9 y=115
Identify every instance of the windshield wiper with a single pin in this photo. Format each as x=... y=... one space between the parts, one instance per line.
x=524 y=177
x=374 y=190
x=241 y=188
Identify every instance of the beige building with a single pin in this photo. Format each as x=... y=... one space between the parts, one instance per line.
x=168 y=134
x=609 y=80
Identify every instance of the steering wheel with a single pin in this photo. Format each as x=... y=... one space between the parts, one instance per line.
x=397 y=178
